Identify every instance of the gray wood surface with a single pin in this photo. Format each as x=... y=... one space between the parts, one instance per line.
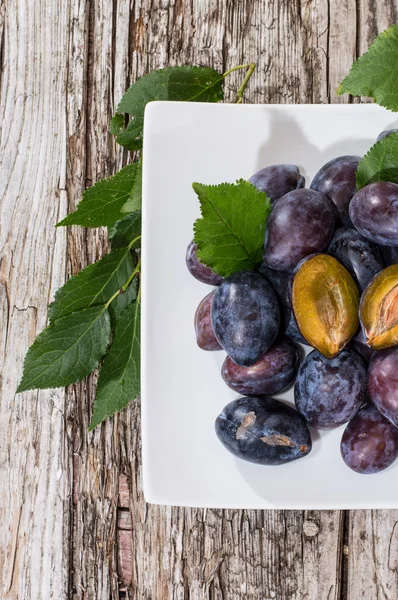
x=73 y=521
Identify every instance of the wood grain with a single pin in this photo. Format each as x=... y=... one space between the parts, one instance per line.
x=73 y=521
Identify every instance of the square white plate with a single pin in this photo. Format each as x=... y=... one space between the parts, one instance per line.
x=182 y=390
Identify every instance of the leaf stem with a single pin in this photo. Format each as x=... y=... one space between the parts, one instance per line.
x=239 y=93
x=126 y=284
x=131 y=244
x=238 y=68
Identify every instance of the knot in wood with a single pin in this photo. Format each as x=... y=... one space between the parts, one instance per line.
x=310 y=528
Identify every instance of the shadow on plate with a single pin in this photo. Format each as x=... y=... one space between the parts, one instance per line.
x=288 y=143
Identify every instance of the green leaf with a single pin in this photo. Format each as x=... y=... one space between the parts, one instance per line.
x=125 y=231
x=122 y=301
x=102 y=203
x=67 y=351
x=230 y=234
x=135 y=201
x=119 y=379
x=188 y=84
x=380 y=163
x=93 y=285
x=375 y=73
x=117 y=124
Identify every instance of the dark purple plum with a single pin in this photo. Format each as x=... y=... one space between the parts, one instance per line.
x=280 y=281
x=370 y=442
x=274 y=372
x=301 y=222
x=199 y=270
x=278 y=180
x=263 y=430
x=358 y=344
x=336 y=180
x=245 y=316
x=390 y=255
x=361 y=257
x=205 y=337
x=374 y=213
x=383 y=383
x=386 y=133
x=329 y=391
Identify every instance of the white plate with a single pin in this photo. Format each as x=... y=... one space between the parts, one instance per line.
x=182 y=391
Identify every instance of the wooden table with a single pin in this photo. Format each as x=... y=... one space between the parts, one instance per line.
x=73 y=521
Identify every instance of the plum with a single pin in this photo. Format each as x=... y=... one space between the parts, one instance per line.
x=361 y=257
x=383 y=383
x=199 y=270
x=205 y=337
x=336 y=180
x=263 y=430
x=386 y=133
x=325 y=302
x=278 y=180
x=374 y=212
x=329 y=392
x=378 y=310
x=370 y=442
x=274 y=372
x=245 y=316
x=301 y=222
x=280 y=281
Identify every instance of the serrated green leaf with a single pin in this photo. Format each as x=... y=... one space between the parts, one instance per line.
x=125 y=231
x=135 y=201
x=122 y=301
x=94 y=285
x=188 y=84
x=230 y=234
x=380 y=163
x=102 y=203
x=67 y=351
x=119 y=379
x=375 y=73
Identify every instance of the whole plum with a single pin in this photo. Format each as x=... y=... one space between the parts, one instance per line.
x=386 y=133
x=329 y=392
x=374 y=212
x=361 y=257
x=383 y=383
x=301 y=222
x=278 y=180
x=274 y=372
x=370 y=442
x=263 y=430
x=280 y=281
x=199 y=270
x=205 y=337
x=245 y=316
x=336 y=180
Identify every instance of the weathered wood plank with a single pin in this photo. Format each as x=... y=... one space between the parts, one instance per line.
x=33 y=458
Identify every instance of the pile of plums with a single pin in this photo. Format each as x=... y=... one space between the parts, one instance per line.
x=328 y=279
